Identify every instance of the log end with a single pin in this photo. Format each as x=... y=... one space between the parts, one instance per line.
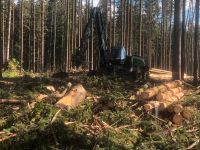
x=148 y=107
x=188 y=112
x=178 y=108
x=177 y=119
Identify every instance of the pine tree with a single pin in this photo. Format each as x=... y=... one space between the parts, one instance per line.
x=176 y=54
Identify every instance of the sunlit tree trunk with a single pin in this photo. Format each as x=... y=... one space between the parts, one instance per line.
x=183 y=42
x=8 y=31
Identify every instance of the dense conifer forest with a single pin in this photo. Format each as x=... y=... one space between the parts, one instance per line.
x=99 y=74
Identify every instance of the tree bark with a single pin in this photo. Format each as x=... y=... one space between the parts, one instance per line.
x=55 y=35
x=140 y=29
x=21 y=35
x=176 y=54
x=196 y=46
x=13 y=29
x=1 y=36
x=33 y=54
x=8 y=31
x=42 y=35
x=183 y=42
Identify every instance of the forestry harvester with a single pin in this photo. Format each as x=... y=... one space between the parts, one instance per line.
x=115 y=59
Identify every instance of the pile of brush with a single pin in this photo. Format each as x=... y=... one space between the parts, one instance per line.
x=167 y=98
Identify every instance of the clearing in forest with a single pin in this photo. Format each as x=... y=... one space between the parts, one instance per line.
x=112 y=115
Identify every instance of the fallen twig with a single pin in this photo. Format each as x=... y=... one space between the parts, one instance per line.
x=2 y=132
x=157 y=118
x=11 y=101
x=192 y=130
x=69 y=123
x=55 y=116
x=193 y=145
x=8 y=137
x=86 y=127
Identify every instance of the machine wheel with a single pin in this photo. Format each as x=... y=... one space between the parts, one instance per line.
x=137 y=73
x=145 y=73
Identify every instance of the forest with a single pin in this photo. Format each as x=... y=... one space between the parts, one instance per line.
x=100 y=74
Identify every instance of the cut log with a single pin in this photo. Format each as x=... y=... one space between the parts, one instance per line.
x=60 y=95
x=148 y=107
x=164 y=105
x=12 y=101
x=41 y=97
x=150 y=93
x=166 y=95
x=73 y=98
x=176 y=97
x=151 y=105
x=178 y=108
x=174 y=84
x=50 y=88
x=188 y=112
x=177 y=119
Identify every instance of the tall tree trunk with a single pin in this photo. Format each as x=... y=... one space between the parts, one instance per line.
x=79 y=23
x=196 y=46
x=55 y=36
x=21 y=35
x=183 y=41
x=122 y=22
x=140 y=29
x=12 y=29
x=130 y=31
x=176 y=54
x=114 y=43
x=42 y=35
x=170 y=36
x=110 y=25
x=33 y=55
x=67 y=37
x=8 y=31
x=2 y=3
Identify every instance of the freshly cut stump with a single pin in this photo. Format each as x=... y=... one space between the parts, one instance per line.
x=73 y=98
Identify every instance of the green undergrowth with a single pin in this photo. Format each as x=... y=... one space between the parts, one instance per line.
x=47 y=127
x=11 y=69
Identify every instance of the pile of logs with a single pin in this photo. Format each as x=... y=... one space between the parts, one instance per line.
x=166 y=97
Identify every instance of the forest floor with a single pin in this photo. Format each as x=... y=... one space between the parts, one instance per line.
x=108 y=119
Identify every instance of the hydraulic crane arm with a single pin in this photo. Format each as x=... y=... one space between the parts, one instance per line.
x=95 y=16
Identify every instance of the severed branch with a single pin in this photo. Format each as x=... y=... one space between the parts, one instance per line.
x=8 y=137
x=11 y=101
x=157 y=118
x=194 y=144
